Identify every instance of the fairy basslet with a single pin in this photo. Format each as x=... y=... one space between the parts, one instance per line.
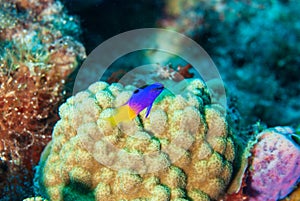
x=141 y=98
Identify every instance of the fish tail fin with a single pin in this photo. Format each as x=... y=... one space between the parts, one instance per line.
x=123 y=114
x=112 y=120
x=118 y=116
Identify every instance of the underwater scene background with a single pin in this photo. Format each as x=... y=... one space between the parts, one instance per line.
x=53 y=136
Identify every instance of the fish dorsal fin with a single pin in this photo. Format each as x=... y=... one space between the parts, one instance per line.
x=148 y=110
x=140 y=88
x=143 y=87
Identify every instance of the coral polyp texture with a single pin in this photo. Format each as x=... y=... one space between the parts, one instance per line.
x=182 y=151
x=275 y=168
x=37 y=55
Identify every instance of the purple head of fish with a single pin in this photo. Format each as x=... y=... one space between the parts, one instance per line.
x=144 y=97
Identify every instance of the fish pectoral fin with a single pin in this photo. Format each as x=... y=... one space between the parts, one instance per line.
x=148 y=110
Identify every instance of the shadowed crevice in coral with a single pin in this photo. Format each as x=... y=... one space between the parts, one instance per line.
x=78 y=191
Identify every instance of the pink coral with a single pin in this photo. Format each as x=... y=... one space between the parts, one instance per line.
x=274 y=169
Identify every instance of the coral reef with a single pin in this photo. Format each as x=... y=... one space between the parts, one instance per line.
x=182 y=151
x=257 y=40
x=186 y=149
x=272 y=170
x=37 y=55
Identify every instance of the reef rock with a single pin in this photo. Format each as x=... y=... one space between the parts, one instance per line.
x=39 y=50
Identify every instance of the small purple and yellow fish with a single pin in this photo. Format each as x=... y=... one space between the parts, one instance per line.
x=141 y=98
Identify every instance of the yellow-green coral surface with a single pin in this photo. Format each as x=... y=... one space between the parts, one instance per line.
x=182 y=151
